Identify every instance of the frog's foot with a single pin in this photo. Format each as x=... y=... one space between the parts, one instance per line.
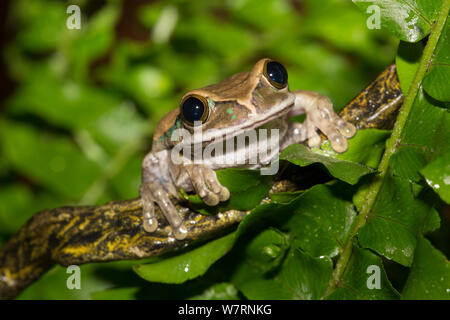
x=155 y=192
x=320 y=115
x=205 y=183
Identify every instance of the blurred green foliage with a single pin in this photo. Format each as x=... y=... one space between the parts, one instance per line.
x=86 y=102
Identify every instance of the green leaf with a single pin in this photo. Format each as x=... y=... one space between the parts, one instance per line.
x=67 y=104
x=426 y=135
x=407 y=62
x=399 y=216
x=437 y=175
x=284 y=197
x=247 y=189
x=14 y=200
x=116 y=294
x=76 y=106
x=59 y=165
x=347 y=171
x=94 y=39
x=257 y=13
x=258 y=255
x=217 y=36
x=301 y=277
x=429 y=278
x=202 y=68
x=321 y=221
x=189 y=265
x=43 y=24
x=219 y=291
x=428 y=125
x=142 y=82
x=48 y=288
x=267 y=249
x=18 y=203
x=148 y=14
x=127 y=181
x=436 y=83
x=409 y=20
x=318 y=220
x=364 y=278
x=309 y=283
x=366 y=147
x=346 y=31
x=407 y=162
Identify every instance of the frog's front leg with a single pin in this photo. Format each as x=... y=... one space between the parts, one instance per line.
x=201 y=179
x=156 y=188
x=320 y=116
x=162 y=177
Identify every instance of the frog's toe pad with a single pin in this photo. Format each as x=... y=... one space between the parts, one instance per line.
x=211 y=199
x=224 y=194
x=153 y=193
x=180 y=233
x=338 y=143
x=150 y=223
x=334 y=128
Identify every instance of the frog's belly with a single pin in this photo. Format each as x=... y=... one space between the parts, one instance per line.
x=251 y=149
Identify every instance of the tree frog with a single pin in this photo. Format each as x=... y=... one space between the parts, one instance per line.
x=246 y=101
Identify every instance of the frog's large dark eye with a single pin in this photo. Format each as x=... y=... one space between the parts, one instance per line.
x=276 y=74
x=194 y=108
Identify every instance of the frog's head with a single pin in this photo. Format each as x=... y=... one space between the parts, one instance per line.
x=242 y=102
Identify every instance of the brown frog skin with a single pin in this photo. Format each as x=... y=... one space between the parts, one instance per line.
x=249 y=100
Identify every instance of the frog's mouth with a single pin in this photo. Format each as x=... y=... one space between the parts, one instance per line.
x=254 y=123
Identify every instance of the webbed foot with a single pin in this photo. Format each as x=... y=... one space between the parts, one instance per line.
x=154 y=193
x=206 y=185
x=321 y=116
x=198 y=178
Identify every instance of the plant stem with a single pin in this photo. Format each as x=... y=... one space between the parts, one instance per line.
x=391 y=146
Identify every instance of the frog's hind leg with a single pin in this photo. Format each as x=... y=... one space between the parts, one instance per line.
x=320 y=115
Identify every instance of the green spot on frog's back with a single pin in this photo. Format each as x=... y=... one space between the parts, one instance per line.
x=231 y=111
